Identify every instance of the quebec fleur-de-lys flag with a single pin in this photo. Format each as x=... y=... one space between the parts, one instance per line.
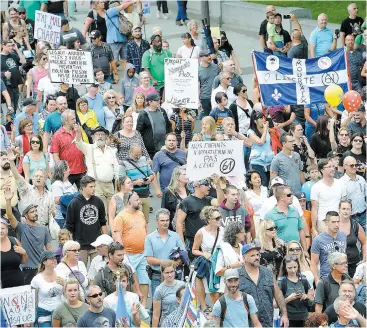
x=287 y=81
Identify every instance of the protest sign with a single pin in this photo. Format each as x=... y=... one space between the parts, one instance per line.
x=221 y=157
x=70 y=66
x=18 y=304
x=47 y=27
x=181 y=82
x=146 y=8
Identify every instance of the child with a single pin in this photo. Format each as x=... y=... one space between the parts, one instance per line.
x=103 y=86
x=221 y=111
x=313 y=173
x=165 y=45
x=63 y=237
x=273 y=37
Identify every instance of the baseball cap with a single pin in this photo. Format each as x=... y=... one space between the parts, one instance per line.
x=154 y=36
x=45 y=255
x=64 y=21
x=29 y=207
x=276 y=180
x=21 y=10
x=231 y=273
x=204 y=53
x=332 y=154
x=95 y=34
x=201 y=182
x=249 y=247
x=102 y=240
x=29 y=101
x=152 y=96
x=300 y=195
x=136 y=27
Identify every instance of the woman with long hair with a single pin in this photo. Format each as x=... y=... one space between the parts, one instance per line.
x=126 y=137
x=164 y=298
x=205 y=240
x=312 y=113
x=96 y=20
x=35 y=159
x=256 y=193
x=182 y=121
x=145 y=86
x=227 y=48
x=230 y=254
x=188 y=49
x=272 y=248
x=297 y=292
x=48 y=285
x=87 y=119
x=61 y=186
x=320 y=141
x=69 y=311
x=50 y=107
x=251 y=234
x=175 y=192
x=137 y=105
x=261 y=153
x=71 y=267
x=301 y=146
x=112 y=110
x=294 y=247
x=208 y=128
x=116 y=205
x=36 y=73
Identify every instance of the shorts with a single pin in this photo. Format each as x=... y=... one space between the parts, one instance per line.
x=118 y=50
x=139 y=263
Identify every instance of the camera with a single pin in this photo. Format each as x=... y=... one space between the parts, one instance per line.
x=337 y=33
x=286 y=16
x=117 y=111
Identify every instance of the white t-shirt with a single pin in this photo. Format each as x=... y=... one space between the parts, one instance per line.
x=255 y=200
x=243 y=119
x=361 y=272
x=47 y=87
x=60 y=188
x=130 y=298
x=49 y=293
x=185 y=52
x=271 y=202
x=328 y=198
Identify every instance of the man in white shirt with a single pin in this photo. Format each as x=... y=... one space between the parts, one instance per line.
x=101 y=162
x=224 y=86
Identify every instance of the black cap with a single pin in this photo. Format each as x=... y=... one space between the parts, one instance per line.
x=152 y=96
x=204 y=53
x=95 y=34
x=94 y=85
x=64 y=21
x=29 y=101
x=361 y=108
x=154 y=36
x=300 y=195
x=45 y=255
x=100 y=129
x=21 y=10
x=332 y=154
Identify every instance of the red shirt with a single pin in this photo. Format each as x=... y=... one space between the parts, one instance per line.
x=63 y=143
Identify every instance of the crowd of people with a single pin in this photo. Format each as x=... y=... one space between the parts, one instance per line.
x=79 y=167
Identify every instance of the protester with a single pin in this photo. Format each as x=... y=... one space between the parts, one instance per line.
x=96 y=20
x=322 y=39
x=183 y=122
x=135 y=48
x=351 y=25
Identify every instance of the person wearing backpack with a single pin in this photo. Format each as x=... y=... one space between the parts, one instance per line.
x=234 y=308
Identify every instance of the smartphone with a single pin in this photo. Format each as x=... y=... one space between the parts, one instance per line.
x=337 y=33
x=286 y=16
x=117 y=111
x=271 y=123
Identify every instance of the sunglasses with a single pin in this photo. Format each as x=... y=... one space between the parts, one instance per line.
x=289 y=195
x=96 y=295
x=297 y=249
x=111 y=97
x=74 y=250
x=352 y=165
x=358 y=140
x=344 y=135
x=218 y=218
x=244 y=91
x=206 y=184
x=35 y=142
x=272 y=228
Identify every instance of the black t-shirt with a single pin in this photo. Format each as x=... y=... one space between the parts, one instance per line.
x=263 y=28
x=192 y=206
x=350 y=26
x=11 y=63
x=320 y=146
x=29 y=23
x=99 y=25
x=55 y=7
x=227 y=49
x=299 y=111
x=299 y=51
x=361 y=161
x=331 y=314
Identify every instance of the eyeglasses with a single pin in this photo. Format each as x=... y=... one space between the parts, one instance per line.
x=96 y=295
x=358 y=140
x=112 y=97
x=352 y=165
x=297 y=249
x=74 y=250
x=244 y=91
x=35 y=142
x=29 y=125
x=342 y=263
x=272 y=228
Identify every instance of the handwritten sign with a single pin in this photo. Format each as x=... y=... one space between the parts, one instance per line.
x=146 y=8
x=221 y=157
x=70 y=66
x=181 y=82
x=19 y=305
x=47 y=27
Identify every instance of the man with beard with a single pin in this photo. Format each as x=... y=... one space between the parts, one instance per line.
x=358 y=125
x=33 y=236
x=259 y=282
x=234 y=309
x=136 y=48
x=97 y=315
x=130 y=229
x=101 y=162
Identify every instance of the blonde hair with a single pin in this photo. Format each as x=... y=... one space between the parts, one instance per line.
x=109 y=93
x=167 y=264
x=302 y=258
x=65 y=248
x=120 y=273
x=64 y=232
x=72 y=281
x=157 y=30
x=262 y=231
x=207 y=213
x=213 y=127
x=133 y=103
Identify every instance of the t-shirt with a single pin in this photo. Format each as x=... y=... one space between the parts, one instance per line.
x=322 y=39
x=236 y=313
x=351 y=26
x=47 y=87
x=130 y=298
x=219 y=115
x=299 y=51
x=68 y=315
x=321 y=146
x=101 y=57
x=167 y=296
x=270 y=29
x=49 y=293
x=11 y=63
x=361 y=162
x=206 y=78
x=106 y=318
x=192 y=52
x=52 y=122
x=60 y=188
x=112 y=22
x=192 y=206
x=55 y=7
x=99 y=24
x=31 y=7
x=33 y=239
x=132 y=227
x=324 y=244
x=73 y=33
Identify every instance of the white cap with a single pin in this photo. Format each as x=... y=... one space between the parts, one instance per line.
x=276 y=180
x=102 y=240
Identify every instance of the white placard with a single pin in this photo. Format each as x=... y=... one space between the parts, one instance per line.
x=47 y=27
x=181 y=82
x=70 y=66
x=221 y=157
x=146 y=8
x=18 y=304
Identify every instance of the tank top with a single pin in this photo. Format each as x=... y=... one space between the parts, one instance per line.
x=119 y=204
x=352 y=249
x=208 y=240
x=11 y=275
x=36 y=76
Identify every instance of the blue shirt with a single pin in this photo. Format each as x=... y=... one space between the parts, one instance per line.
x=22 y=116
x=154 y=245
x=96 y=104
x=53 y=122
x=316 y=110
x=322 y=39
x=4 y=139
x=113 y=25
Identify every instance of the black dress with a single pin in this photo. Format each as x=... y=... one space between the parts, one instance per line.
x=11 y=275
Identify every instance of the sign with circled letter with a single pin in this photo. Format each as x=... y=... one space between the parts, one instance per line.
x=224 y=158
x=47 y=27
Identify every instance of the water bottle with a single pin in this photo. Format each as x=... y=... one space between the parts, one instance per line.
x=144 y=315
x=276 y=318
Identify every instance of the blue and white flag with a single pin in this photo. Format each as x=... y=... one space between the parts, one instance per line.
x=122 y=316
x=287 y=81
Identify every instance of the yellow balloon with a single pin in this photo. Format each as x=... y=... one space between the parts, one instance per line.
x=334 y=95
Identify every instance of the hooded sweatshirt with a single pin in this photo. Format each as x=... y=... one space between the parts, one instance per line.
x=237 y=214
x=128 y=85
x=84 y=219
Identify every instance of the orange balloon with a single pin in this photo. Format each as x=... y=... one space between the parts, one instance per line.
x=352 y=100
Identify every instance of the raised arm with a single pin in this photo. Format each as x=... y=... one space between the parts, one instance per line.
x=8 y=195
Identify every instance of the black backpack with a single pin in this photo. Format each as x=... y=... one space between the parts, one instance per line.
x=223 y=305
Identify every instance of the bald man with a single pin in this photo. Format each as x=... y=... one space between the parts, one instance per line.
x=322 y=39
x=262 y=32
x=352 y=24
x=299 y=47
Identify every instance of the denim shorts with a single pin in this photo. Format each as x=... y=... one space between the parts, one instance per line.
x=139 y=263
x=118 y=50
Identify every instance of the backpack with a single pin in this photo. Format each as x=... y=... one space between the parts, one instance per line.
x=284 y=284
x=223 y=305
x=361 y=293
x=125 y=27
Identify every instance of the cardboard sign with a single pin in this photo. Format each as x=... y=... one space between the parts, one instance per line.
x=70 y=66
x=224 y=158
x=18 y=304
x=181 y=82
x=47 y=27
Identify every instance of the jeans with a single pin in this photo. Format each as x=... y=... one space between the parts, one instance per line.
x=309 y=131
x=155 y=282
x=43 y=316
x=71 y=8
x=14 y=97
x=247 y=151
x=181 y=13
x=265 y=175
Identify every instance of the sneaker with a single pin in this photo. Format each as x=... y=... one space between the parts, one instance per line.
x=179 y=23
x=165 y=16
x=158 y=14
